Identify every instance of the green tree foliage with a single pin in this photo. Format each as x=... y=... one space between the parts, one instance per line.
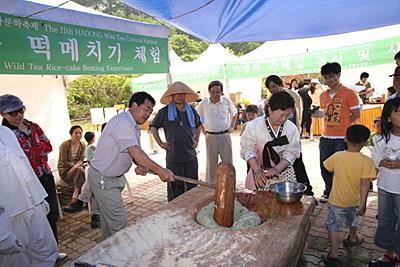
x=91 y=91
x=186 y=47
x=241 y=49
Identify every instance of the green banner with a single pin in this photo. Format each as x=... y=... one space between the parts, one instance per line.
x=149 y=86
x=354 y=56
x=213 y=73
x=30 y=46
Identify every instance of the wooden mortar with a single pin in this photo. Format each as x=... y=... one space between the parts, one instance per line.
x=225 y=194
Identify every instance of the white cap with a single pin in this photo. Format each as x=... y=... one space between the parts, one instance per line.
x=315 y=80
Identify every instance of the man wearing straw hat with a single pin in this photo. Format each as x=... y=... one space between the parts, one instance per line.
x=181 y=125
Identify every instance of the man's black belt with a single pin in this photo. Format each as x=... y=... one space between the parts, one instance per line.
x=222 y=132
x=102 y=174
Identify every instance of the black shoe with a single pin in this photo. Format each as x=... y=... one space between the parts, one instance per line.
x=95 y=222
x=74 y=207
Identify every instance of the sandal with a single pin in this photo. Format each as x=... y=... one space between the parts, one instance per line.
x=384 y=261
x=331 y=262
x=347 y=243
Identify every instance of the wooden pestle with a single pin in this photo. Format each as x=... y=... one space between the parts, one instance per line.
x=225 y=194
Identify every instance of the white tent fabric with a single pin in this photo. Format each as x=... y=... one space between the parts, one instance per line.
x=176 y=63
x=297 y=46
x=214 y=55
x=46 y=104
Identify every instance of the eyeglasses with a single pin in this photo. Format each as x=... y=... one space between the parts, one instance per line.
x=16 y=112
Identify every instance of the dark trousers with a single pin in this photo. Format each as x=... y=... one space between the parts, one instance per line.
x=187 y=169
x=47 y=181
x=328 y=147
x=306 y=120
x=301 y=175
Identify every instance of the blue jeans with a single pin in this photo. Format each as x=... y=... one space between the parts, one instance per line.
x=338 y=216
x=328 y=147
x=388 y=233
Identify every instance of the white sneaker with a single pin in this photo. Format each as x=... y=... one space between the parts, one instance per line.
x=61 y=256
x=323 y=199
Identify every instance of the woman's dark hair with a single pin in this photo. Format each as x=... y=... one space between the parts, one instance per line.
x=281 y=100
x=89 y=136
x=216 y=83
x=275 y=79
x=364 y=75
x=291 y=84
x=73 y=129
x=331 y=68
x=392 y=105
x=140 y=97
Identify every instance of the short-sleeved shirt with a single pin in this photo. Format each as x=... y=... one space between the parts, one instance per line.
x=367 y=85
x=112 y=157
x=178 y=133
x=337 y=111
x=348 y=168
x=89 y=152
x=388 y=179
x=217 y=116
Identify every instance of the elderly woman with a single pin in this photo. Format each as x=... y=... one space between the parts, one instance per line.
x=271 y=144
x=70 y=165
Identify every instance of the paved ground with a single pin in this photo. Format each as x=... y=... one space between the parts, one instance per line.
x=149 y=195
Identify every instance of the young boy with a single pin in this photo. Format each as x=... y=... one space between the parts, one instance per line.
x=353 y=172
x=377 y=133
x=372 y=141
x=90 y=148
x=251 y=114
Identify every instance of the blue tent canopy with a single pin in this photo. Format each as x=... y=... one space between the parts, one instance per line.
x=263 y=20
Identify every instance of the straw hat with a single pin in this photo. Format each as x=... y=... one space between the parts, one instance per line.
x=179 y=88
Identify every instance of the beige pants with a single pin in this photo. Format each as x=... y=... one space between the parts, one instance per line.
x=86 y=195
x=107 y=191
x=217 y=145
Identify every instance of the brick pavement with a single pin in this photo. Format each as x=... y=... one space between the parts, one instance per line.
x=149 y=195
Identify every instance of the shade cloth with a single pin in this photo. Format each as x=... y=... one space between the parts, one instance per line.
x=263 y=20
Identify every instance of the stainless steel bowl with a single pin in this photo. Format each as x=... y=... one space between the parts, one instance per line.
x=288 y=192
